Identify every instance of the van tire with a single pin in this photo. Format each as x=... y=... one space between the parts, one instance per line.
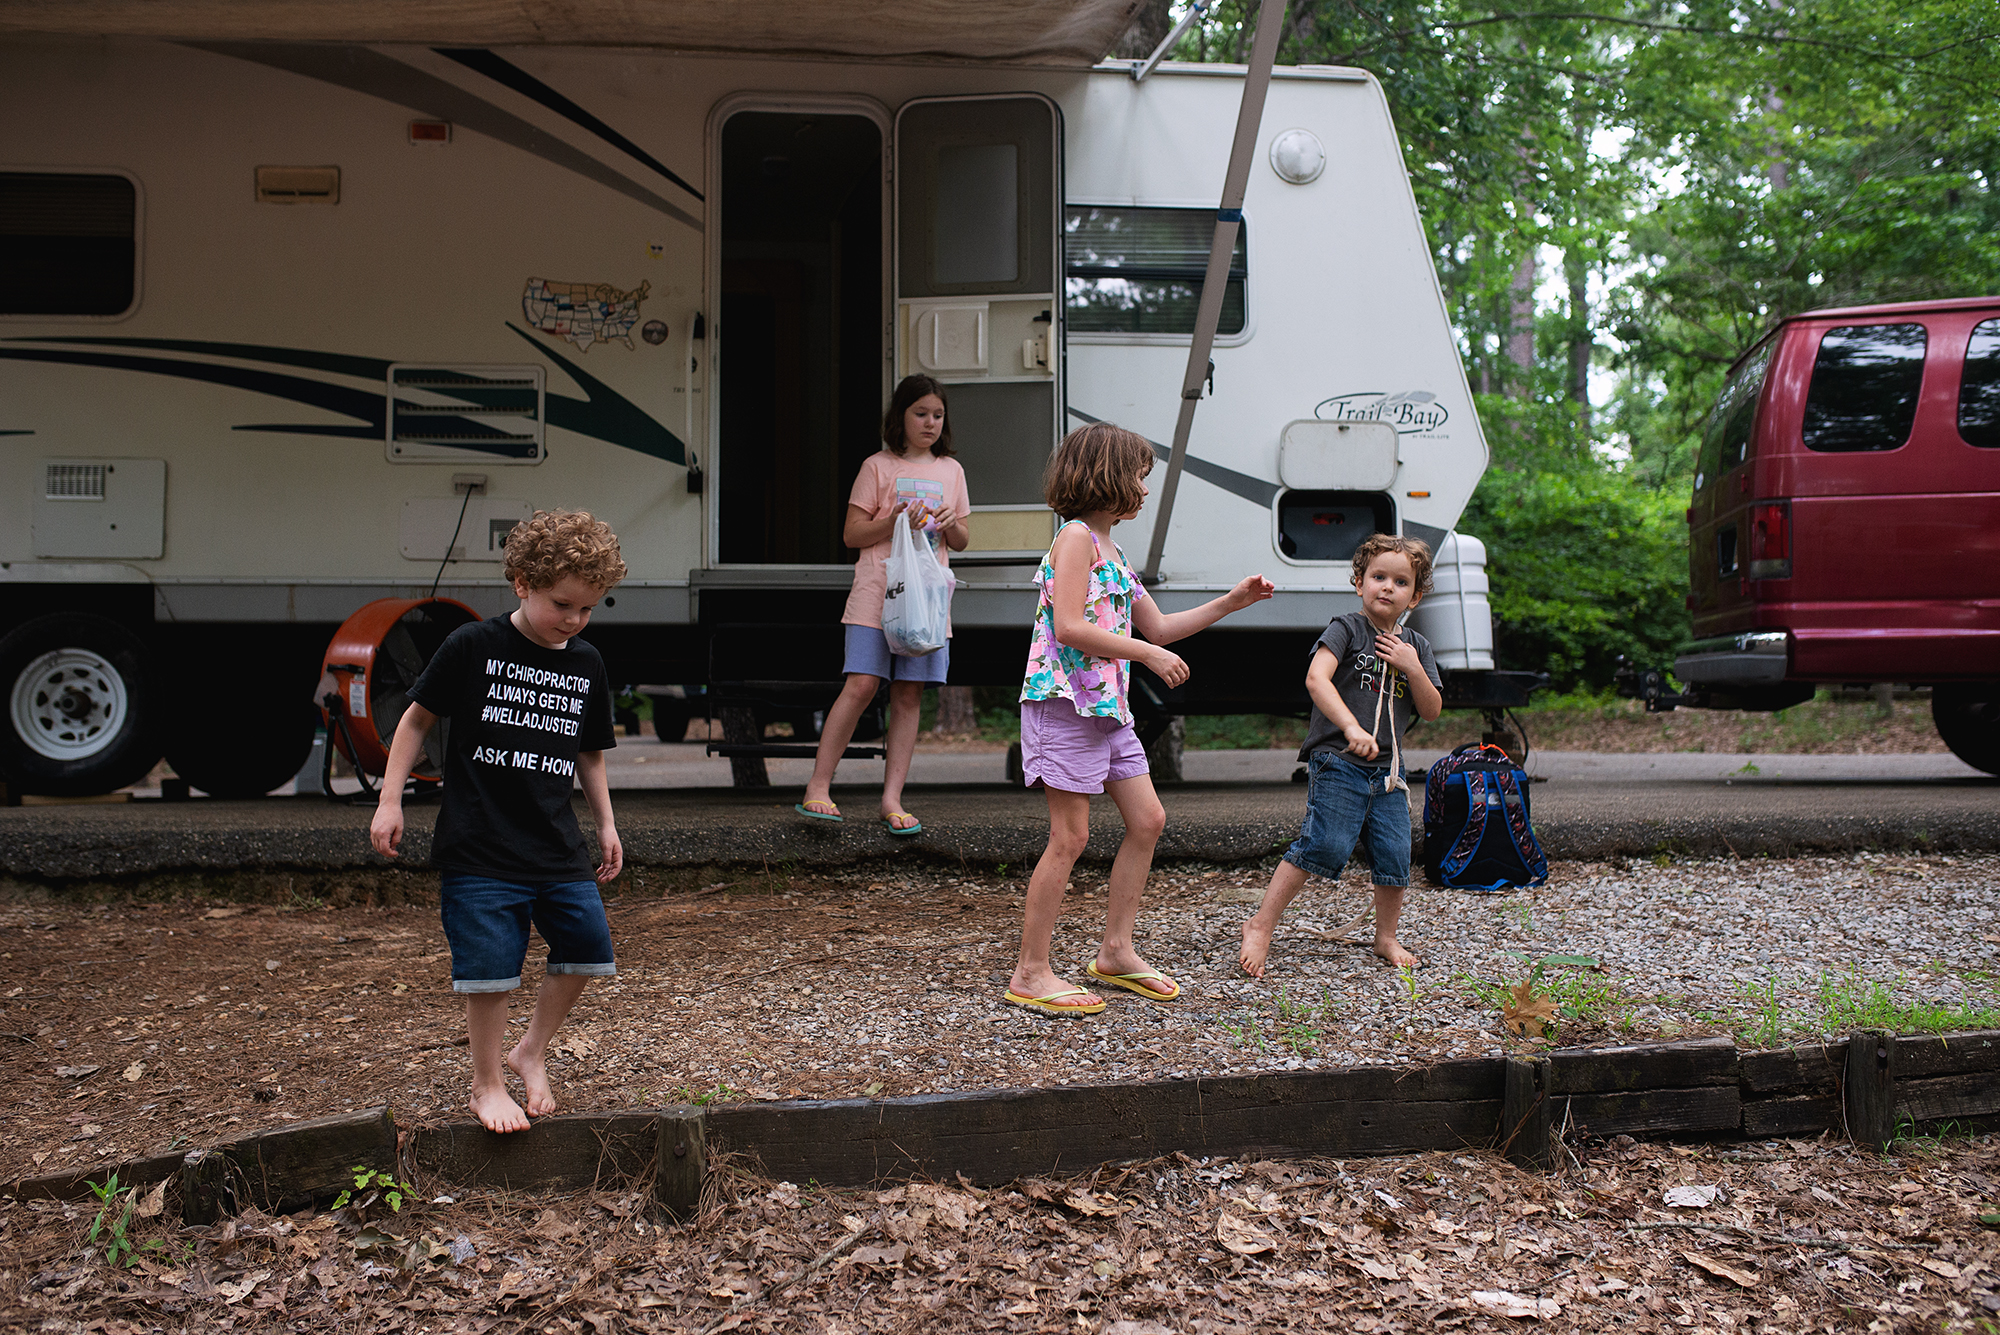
x=1967 y=715
x=110 y=682
x=248 y=750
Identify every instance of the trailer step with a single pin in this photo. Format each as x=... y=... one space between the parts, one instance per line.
x=789 y=751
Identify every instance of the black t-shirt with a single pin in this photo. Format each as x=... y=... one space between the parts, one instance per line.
x=519 y=714
x=1350 y=638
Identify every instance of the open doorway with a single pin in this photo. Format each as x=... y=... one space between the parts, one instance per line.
x=802 y=350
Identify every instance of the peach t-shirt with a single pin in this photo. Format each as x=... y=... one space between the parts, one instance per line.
x=885 y=479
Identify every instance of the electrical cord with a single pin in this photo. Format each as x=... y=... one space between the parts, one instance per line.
x=450 y=546
x=1526 y=749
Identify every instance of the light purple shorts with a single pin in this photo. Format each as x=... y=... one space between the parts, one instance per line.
x=1076 y=753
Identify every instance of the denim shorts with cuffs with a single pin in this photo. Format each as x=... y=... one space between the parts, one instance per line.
x=868 y=651
x=1347 y=803
x=486 y=920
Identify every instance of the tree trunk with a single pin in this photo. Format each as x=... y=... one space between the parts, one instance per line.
x=1149 y=28
x=1578 y=274
x=1521 y=326
x=955 y=715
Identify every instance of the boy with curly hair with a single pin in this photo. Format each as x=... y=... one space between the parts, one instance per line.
x=530 y=711
x=1365 y=665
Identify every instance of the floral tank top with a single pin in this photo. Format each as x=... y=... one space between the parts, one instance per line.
x=1096 y=686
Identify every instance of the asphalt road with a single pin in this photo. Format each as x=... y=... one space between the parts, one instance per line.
x=674 y=812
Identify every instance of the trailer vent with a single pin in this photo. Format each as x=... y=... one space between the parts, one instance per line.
x=490 y=413
x=73 y=482
x=298 y=185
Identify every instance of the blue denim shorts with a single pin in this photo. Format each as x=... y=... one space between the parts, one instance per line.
x=486 y=920
x=868 y=651
x=1347 y=803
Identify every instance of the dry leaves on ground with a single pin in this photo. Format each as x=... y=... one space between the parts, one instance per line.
x=1187 y=1246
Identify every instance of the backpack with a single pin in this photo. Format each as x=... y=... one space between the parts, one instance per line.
x=1477 y=835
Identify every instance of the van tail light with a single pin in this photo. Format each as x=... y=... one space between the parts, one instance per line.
x=1771 y=540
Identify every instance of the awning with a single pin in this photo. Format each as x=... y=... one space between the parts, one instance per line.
x=1063 y=32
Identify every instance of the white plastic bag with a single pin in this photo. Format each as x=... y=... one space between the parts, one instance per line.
x=916 y=604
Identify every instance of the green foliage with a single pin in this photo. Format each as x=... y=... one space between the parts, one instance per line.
x=372 y=1185
x=1850 y=1001
x=1643 y=190
x=113 y=1221
x=1586 y=565
x=701 y=1098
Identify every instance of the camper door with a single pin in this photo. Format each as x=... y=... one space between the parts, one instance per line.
x=978 y=235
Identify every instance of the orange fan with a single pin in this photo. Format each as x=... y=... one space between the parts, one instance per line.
x=370 y=665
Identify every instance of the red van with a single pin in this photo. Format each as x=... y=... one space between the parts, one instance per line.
x=1846 y=517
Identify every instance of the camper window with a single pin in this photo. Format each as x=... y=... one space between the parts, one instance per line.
x=1140 y=270
x=68 y=244
x=1979 y=391
x=1863 y=394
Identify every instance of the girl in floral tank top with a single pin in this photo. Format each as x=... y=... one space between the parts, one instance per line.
x=1096 y=686
x=1077 y=736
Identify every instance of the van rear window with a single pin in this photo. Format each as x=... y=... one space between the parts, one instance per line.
x=1979 y=391
x=1864 y=387
x=1725 y=440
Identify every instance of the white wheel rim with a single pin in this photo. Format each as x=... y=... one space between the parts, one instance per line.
x=69 y=704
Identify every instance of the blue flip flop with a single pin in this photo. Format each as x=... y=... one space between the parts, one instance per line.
x=904 y=831
x=803 y=809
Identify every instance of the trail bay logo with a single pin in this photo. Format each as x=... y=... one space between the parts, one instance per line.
x=1411 y=412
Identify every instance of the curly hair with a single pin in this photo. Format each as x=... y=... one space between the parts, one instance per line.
x=1097 y=469
x=1419 y=552
x=912 y=388
x=542 y=550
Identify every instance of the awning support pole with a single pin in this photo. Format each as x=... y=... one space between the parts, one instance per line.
x=1228 y=221
x=1145 y=67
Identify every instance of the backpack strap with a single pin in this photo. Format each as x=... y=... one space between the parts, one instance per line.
x=1519 y=829
x=1467 y=844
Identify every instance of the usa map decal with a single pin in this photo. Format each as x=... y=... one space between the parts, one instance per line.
x=584 y=313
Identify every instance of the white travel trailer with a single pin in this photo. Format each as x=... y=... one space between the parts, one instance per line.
x=290 y=324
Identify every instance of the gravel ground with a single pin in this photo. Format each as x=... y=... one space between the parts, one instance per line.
x=131 y=1025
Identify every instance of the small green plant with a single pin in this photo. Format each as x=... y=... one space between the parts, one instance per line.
x=372 y=1185
x=1849 y=1001
x=114 y=1220
x=1520 y=914
x=1247 y=1028
x=1749 y=767
x=701 y=1098
x=1536 y=1005
x=1768 y=1021
x=1407 y=976
x=1299 y=1021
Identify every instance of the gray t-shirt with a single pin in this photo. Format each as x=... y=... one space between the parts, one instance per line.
x=1351 y=640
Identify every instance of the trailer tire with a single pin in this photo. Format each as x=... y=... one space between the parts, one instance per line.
x=80 y=714
x=1967 y=715
x=260 y=748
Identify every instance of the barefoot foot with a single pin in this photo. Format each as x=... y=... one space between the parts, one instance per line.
x=534 y=1072
x=1391 y=950
x=497 y=1111
x=1256 y=945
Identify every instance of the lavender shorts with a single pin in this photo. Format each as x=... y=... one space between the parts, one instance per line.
x=1076 y=753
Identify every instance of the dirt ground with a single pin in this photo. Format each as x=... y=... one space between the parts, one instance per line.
x=1772 y=1237
x=127 y=1028
x=131 y=1028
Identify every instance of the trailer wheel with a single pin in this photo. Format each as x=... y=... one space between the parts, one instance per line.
x=255 y=745
x=80 y=716
x=1967 y=715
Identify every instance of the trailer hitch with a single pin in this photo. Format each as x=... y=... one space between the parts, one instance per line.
x=1651 y=686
